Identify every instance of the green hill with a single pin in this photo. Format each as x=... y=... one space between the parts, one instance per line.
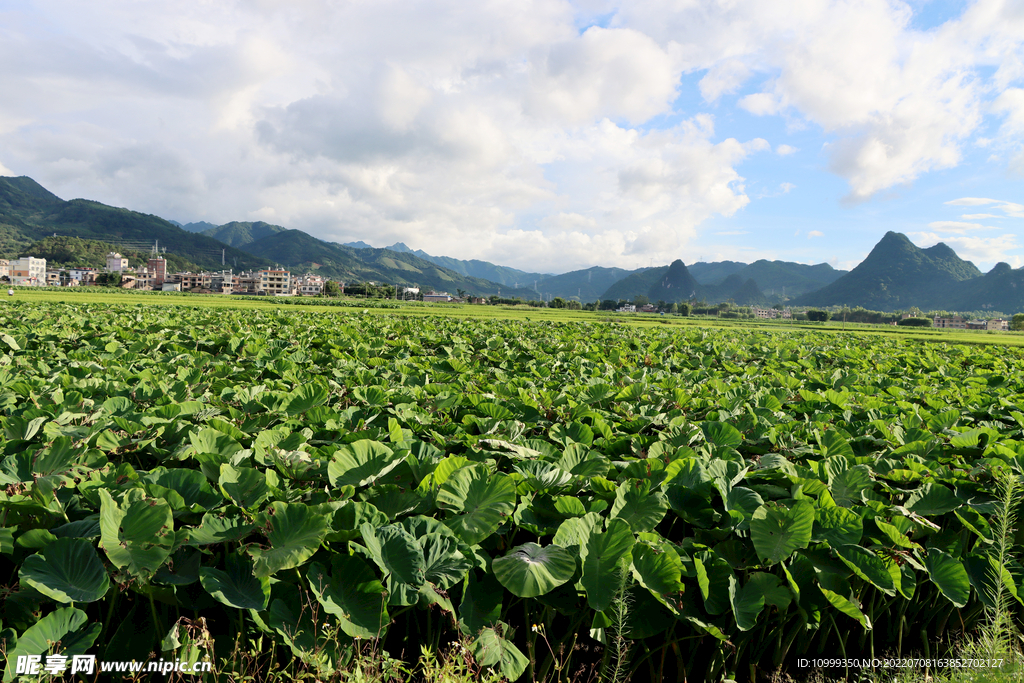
x=588 y=284
x=637 y=283
x=302 y=252
x=29 y=213
x=785 y=278
x=675 y=285
x=70 y=252
x=238 y=234
x=709 y=273
x=897 y=275
x=510 y=277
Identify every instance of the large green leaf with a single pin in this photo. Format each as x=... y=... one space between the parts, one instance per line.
x=209 y=440
x=868 y=566
x=636 y=505
x=306 y=397
x=530 y=570
x=191 y=485
x=361 y=463
x=237 y=587
x=722 y=434
x=482 y=499
x=840 y=595
x=353 y=594
x=246 y=486
x=295 y=534
x=67 y=570
x=847 y=488
x=949 y=575
x=396 y=552
x=837 y=526
x=932 y=499
x=63 y=626
x=659 y=570
x=491 y=649
x=778 y=532
x=747 y=602
x=137 y=535
x=605 y=557
x=481 y=603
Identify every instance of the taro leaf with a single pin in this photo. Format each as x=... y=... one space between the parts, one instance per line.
x=573 y=533
x=445 y=564
x=840 y=595
x=58 y=457
x=139 y=534
x=306 y=397
x=490 y=649
x=296 y=533
x=361 y=463
x=747 y=603
x=216 y=529
x=246 y=486
x=61 y=626
x=932 y=499
x=658 y=570
x=237 y=587
x=575 y=432
x=685 y=472
x=396 y=552
x=722 y=434
x=637 y=506
x=605 y=556
x=769 y=586
x=833 y=443
x=837 y=526
x=949 y=575
x=897 y=537
x=483 y=499
x=743 y=501
x=847 y=486
x=181 y=569
x=778 y=532
x=481 y=603
x=529 y=570
x=973 y=520
x=868 y=566
x=353 y=594
x=543 y=475
x=191 y=485
x=7 y=540
x=67 y=570
x=212 y=441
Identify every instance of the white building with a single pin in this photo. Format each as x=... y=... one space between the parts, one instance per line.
x=274 y=282
x=28 y=272
x=437 y=297
x=116 y=263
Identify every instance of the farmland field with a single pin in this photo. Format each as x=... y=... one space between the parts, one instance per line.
x=670 y=500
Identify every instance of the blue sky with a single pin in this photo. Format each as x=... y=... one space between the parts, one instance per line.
x=541 y=134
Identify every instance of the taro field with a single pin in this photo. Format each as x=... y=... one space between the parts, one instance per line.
x=291 y=491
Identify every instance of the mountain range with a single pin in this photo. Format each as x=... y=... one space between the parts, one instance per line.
x=896 y=275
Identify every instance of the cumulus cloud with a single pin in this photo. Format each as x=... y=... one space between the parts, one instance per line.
x=978 y=216
x=957 y=226
x=985 y=251
x=516 y=132
x=1011 y=209
x=815 y=233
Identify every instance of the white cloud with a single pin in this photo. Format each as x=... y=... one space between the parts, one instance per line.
x=957 y=226
x=786 y=187
x=785 y=150
x=978 y=216
x=1011 y=209
x=723 y=78
x=4 y=171
x=983 y=251
x=815 y=233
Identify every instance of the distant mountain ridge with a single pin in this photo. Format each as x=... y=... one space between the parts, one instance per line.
x=29 y=213
x=897 y=274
